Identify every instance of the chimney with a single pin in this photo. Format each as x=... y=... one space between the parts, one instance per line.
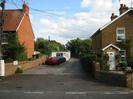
x=113 y=16
x=123 y=8
x=26 y=8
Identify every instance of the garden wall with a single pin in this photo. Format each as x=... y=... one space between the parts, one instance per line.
x=116 y=79
x=10 y=68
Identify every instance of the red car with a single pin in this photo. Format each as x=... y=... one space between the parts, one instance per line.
x=53 y=60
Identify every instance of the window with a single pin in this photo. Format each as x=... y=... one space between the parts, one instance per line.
x=123 y=55
x=5 y=38
x=59 y=54
x=120 y=34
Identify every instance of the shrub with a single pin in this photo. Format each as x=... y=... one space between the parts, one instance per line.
x=104 y=65
x=2 y=77
x=123 y=65
x=130 y=64
x=87 y=62
x=18 y=71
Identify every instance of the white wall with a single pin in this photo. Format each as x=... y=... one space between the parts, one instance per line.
x=66 y=54
x=2 y=68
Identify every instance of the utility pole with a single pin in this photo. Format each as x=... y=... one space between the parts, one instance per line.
x=2 y=5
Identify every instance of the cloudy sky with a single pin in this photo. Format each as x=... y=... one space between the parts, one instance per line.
x=64 y=20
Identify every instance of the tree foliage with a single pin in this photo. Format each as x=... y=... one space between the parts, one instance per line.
x=79 y=47
x=126 y=45
x=46 y=46
x=13 y=50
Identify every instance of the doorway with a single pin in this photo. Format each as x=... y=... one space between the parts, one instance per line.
x=111 y=60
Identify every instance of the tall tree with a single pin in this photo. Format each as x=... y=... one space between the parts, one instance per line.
x=46 y=46
x=78 y=46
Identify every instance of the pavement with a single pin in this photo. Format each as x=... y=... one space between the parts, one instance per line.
x=64 y=81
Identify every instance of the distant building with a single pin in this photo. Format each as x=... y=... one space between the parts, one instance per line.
x=66 y=54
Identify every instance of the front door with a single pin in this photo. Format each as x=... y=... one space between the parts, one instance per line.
x=111 y=60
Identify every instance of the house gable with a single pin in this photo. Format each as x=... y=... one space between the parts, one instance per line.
x=26 y=35
x=111 y=45
x=111 y=22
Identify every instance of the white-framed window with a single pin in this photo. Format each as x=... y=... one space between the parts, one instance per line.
x=123 y=55
x=59 y=54
x=120 y=34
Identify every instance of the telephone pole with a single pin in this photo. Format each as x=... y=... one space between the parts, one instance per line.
x=2 y=5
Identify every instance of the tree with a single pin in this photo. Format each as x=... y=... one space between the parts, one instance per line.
x=13 y=50
x=79 y=47
x=126 y=45
x=46 y=46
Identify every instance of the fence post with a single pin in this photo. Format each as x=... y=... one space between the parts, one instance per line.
x=130 y=80
x=2 y=68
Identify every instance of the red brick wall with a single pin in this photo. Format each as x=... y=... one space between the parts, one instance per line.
x=10 y=68
x=96 y=42
x=26 y=36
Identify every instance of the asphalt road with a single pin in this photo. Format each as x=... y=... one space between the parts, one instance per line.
x=65 y=81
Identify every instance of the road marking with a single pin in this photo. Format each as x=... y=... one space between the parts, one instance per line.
x=124 y=93
x=69 y=92
x=37 y=92
x=79 y=93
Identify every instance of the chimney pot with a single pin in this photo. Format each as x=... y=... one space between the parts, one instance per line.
x=121 y=5
x=123 y=8
x=25 y=9
x=113 y=16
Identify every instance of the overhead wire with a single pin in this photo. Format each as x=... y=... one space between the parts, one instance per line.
x=46 y=12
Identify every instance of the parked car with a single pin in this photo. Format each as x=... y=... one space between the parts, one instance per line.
x=52 y=61
x=61 y=59
x=55 y=60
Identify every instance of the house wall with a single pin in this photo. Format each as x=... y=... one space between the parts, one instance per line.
x=26 y=36
x=96 y=42
x=109 y=33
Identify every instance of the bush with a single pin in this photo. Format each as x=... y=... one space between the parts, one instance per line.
x=18 y=71
x=2 y=77
x=130 y=64
x=87 y=62
x=104 y=65
x=123 y=65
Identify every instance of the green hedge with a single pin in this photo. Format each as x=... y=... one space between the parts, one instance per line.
x=87 y=62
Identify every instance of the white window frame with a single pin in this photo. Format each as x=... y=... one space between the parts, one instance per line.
x=117 y=35
x=123 y=56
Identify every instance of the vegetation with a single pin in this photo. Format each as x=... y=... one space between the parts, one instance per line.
x=87 y=61
x=13 y=50
x=82 y=49
x=104 y=65
x=126 y=45
x=79 y=47
x=18 y=71
x=46 y=46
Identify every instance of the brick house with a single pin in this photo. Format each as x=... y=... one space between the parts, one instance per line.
x=105 y=40
x=18 y=21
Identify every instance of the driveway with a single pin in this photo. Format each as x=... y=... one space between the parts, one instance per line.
x=72 y=67
x=64 y=81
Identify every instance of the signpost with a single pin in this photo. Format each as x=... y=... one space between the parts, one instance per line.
x=2 y=64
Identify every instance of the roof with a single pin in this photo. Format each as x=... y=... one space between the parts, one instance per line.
x=12 y=19
x=106 y=25
x=110 y=46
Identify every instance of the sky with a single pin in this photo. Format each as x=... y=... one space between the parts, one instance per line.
x=64 y=20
